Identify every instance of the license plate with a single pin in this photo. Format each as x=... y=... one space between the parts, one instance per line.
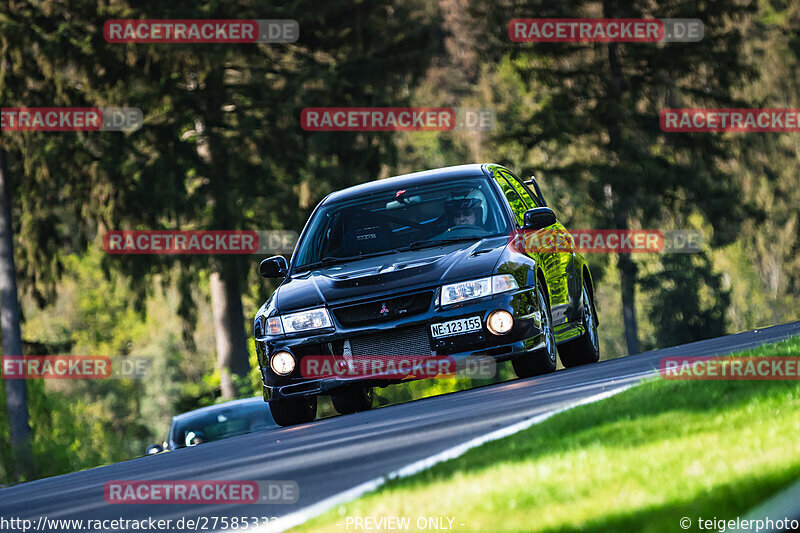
x=456 y=327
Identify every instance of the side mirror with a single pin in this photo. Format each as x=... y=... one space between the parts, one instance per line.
x=274 y=267
x=153 y=449
x=538 y=218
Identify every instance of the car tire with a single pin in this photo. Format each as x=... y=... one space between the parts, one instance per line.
x=586 y=348
x=353 y=400
x=544 y=360
x=293 y=411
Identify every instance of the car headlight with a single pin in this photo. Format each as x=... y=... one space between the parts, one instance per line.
x=499 y=322
x=477 y=288
x=306 y=320
x=282 y=363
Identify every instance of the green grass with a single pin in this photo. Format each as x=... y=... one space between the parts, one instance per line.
x=639 y=461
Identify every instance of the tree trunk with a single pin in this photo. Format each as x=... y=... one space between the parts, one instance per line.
x=626 y=266
x=226 y=306
x=226 y=299
x=16 y=392
x=627 y=274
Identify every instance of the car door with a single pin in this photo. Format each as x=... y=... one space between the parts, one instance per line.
x=558 y=266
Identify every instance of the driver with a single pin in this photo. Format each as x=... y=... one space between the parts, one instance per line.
x=193 y=438
x=465 y=212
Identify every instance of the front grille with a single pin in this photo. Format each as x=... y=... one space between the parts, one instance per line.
x=376 y=311
x=401 y=342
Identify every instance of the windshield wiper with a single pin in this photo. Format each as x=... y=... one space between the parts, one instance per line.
x=437 y=242
x=328 y=261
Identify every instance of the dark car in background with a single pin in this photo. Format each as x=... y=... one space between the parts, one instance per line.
x=216 y=422
x=421 y=264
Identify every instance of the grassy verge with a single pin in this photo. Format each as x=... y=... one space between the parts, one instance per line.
x=639 y=461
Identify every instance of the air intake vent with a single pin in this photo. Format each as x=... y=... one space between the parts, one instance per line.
x=401 y=342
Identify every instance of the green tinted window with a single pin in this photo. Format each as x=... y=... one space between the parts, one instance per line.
x=518 y=206
x=523 y=191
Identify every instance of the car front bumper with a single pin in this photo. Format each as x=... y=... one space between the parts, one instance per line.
x=475 y=348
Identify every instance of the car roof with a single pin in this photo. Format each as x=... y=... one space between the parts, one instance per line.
x=407 y=180
x=218 y=407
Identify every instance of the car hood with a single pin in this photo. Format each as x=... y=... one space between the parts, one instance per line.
x=390 y=274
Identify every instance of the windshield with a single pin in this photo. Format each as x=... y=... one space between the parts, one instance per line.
x=222 y=423
x=394 y=219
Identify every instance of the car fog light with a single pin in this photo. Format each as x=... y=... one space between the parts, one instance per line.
x=282 y=363
x=500 y=322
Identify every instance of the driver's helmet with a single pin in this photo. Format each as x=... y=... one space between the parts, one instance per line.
x=195 y=437
x=465 y=211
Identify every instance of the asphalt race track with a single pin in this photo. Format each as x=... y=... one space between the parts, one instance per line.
x=329 y=456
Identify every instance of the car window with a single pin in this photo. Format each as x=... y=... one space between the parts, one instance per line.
x=523 y=191
x=223 y=423
x=518 y=205
x=393 y=218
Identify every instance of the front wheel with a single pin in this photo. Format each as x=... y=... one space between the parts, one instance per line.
x=353 y=400
x=542 y=361
x=586 y=348
x=293 y=411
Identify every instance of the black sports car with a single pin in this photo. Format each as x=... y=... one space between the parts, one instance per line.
x=423 y=265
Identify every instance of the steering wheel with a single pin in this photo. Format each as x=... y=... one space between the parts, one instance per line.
x=467 y=226
x=460 y=231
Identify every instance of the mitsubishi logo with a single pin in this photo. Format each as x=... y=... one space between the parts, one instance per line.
x=384 y=310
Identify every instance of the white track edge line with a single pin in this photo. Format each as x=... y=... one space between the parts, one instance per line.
x=297 y=518
x=781 y=506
